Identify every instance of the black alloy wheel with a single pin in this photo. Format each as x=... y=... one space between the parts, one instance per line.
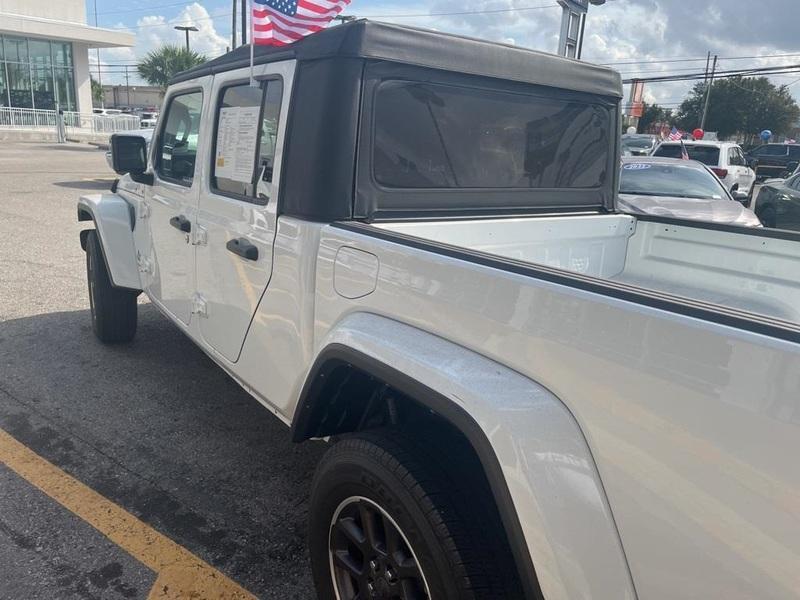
x=370 y=556
x=402 y=518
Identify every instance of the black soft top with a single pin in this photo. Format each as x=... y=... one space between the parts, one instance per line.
x=426 y=48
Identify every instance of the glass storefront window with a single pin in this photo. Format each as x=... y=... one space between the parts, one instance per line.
x=36 y=73
x=39 y=53
x=44 y=95
x=16 y=49
x=62 y=54
x=19 y=84
x=65 y=89
x=3 y=86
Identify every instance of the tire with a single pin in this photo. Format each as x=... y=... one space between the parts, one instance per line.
x=450 y=546
x=114 y=311
x=768 y=217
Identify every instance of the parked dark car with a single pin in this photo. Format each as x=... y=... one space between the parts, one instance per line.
x=638 y=144
x=778 y=203
x=775 y=160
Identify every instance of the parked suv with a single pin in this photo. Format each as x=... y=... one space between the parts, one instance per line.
x=776 y=160
x=726 y=159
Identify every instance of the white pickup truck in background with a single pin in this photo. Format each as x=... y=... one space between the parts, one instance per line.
x=407 y=242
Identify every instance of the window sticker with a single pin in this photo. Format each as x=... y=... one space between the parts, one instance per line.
x=237 y=135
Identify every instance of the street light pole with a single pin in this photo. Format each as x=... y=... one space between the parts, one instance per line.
x=244 y=22
x=186 y=29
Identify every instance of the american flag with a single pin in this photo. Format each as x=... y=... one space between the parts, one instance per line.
x=281 y=22
x=675 y=135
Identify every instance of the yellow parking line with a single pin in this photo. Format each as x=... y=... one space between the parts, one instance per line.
x=180 y=574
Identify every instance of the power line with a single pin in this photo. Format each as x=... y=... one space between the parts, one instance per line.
x=145 y=9
x=676 y=60
x=465 y=12
x=721 y=74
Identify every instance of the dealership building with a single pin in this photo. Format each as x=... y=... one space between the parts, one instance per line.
x=44 y=54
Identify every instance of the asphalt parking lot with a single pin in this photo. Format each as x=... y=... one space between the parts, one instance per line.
x=124 y=469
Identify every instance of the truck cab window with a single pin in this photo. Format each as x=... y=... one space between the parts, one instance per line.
x=177 y=146
x=245 y=137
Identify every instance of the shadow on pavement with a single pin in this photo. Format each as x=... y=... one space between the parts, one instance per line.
x=87 y=184
x=159 y=429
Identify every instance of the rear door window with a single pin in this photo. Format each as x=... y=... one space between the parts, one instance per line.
x=708 y=155
x=245 y=111
x=773 y=150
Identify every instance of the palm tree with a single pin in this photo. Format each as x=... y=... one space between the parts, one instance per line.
x=162 y=64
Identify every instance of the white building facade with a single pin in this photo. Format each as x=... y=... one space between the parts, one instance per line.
x=44 y=54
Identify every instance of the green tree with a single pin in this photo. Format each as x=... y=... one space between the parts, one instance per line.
x=740 y=105
x=653 y=113
x=162 y=64
x=97 y=91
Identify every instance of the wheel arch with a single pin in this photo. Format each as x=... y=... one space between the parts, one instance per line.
x=447 y=380
x=306 y=423
x=114 y=220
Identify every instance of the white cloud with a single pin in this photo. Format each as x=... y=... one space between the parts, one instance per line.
x=153 y=31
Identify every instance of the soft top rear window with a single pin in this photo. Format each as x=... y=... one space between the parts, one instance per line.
x=438 y=136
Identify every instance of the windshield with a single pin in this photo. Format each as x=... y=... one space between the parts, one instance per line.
x=669 y=180
x=708 y=155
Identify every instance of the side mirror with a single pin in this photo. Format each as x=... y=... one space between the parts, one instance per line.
x=752 y=163
x=129 y=156
x=740 y=196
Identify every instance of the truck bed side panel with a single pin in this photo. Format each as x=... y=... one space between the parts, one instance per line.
x=694 y=425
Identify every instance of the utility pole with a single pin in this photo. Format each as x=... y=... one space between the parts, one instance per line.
x=233 y=25
x=708 y=64
x=99 y=75
x=244 y=22
x=708 y=93
x=127 y=86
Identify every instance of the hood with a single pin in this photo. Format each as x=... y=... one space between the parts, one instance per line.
x=724 y=211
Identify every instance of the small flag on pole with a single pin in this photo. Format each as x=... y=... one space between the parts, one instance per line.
x=675 y=135
x=281 y=22
x=684 y=152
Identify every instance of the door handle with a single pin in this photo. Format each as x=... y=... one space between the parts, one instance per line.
x=181 y=223
x=243 y=248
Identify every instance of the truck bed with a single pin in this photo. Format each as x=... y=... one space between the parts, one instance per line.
x=753 y=271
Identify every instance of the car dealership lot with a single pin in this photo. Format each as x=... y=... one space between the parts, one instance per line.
x=185 y=457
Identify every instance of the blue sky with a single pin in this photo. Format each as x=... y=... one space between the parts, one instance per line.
x=641 y=34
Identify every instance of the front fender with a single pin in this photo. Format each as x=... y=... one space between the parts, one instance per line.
x=543 y=476
x=114 y=220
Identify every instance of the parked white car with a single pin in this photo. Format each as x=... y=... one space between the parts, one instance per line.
x=725 y=159
x=148 y=120
x=407 y=243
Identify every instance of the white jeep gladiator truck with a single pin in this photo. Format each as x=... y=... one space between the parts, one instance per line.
x=406 y=243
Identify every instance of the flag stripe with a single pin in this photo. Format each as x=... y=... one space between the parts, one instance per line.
x=280 y=22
